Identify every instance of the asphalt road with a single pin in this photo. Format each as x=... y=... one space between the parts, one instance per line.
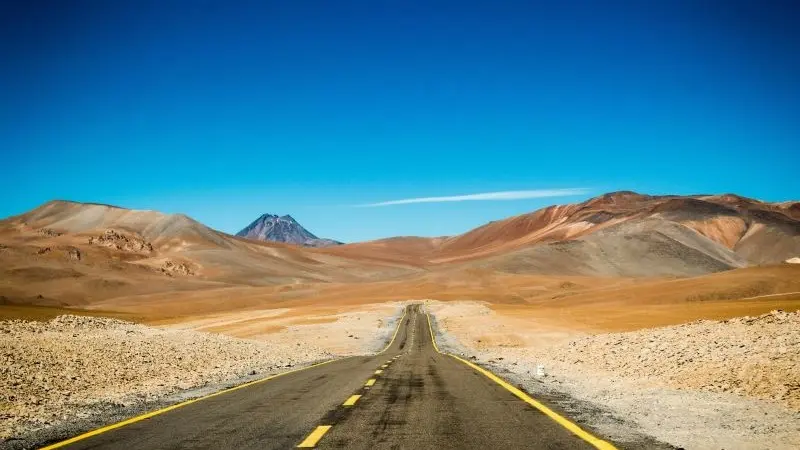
x=411 y=396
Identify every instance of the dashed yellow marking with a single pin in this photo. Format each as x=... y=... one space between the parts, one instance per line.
x=370 y=382
x=314 y=437
x=384 y=366
x=561 y=420
x=378 y=372
x=352 y=400
x=150 y=414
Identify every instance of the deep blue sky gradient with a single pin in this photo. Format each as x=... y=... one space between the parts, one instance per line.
x=226 y=110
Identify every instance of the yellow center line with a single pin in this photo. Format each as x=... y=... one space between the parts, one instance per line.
x=384 y=366
x=352 y=400
x=314 y=437
x=378 y=372
x=370 y=382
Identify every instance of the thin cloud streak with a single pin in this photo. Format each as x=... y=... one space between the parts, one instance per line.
x=485 y=196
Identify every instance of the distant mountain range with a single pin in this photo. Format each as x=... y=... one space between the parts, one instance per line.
x=69 y=253
x=284 y=229
x=615 y=234
x=110 y=258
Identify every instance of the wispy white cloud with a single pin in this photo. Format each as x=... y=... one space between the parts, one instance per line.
x=486 y=196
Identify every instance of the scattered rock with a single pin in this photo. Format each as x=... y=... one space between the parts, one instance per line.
x=73 y=253
x=63 y=367
x=751 y=356
x=48 y=232
x=122 y=242
x=170 y=268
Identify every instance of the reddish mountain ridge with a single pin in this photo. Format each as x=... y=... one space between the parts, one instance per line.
x=729 y=220
x=698 y=233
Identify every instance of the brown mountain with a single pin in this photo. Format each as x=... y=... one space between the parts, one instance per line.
x=620 y=233
x=75 y=253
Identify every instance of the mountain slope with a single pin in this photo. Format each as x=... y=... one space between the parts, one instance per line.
x=617 y=234
x=285 y=229
x=69 y=253
x=758 y=232
x=638 y=249
x=167 y=230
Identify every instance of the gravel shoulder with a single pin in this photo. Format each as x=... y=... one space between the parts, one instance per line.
x=75 y=373
x=731 y=384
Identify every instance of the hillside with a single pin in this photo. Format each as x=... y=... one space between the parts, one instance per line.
x=68 y=253
x=616 y=234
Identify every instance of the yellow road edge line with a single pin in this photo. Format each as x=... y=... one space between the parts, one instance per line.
x=150 y=414
x=561 y=420
x=396 y=329
x=175 y=406
x=313 y=438
x=370 y=382
x=352 y=400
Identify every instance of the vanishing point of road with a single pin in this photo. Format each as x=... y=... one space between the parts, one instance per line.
x=408 y=396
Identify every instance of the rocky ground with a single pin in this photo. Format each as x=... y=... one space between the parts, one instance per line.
x=731 y=384
x=755 y=357
x=74 y=367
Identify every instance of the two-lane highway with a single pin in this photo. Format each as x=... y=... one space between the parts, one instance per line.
x=408 y=396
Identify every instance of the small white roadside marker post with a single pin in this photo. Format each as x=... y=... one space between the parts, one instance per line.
x=540 y=371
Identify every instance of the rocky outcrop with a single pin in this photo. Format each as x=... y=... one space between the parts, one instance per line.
x=69 y=252
x=48 y=232
x=72 y=253
x=171 y=268
x=123 y=242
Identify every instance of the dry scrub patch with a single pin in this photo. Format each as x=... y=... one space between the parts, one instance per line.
x=732 y=384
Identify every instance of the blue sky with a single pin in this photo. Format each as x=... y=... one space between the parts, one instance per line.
x=227 y=110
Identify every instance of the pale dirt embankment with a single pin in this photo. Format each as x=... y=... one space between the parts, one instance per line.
x=731 y=384
x=75 y=368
